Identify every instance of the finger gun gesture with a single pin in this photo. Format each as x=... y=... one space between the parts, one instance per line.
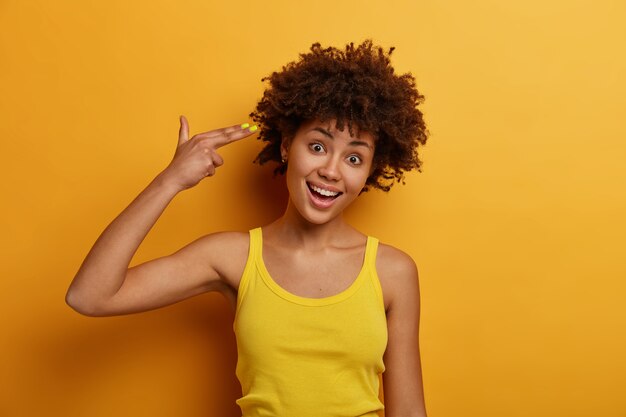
x=196 y=157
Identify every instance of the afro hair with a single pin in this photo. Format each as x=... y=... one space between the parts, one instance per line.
x=356 y=86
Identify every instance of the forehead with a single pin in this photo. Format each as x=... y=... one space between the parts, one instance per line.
x=329 y=128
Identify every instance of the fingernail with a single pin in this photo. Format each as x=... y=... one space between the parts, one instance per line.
x=245 y=125
x=253 y=128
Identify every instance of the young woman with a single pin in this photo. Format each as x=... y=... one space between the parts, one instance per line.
x=321 y=309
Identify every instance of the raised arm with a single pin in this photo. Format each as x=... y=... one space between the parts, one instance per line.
x=105 y=285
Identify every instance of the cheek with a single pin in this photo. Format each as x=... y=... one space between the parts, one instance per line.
x=357 y=180
x=296 y=171
x=301 y=162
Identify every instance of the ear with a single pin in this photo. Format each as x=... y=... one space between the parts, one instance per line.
x=284 y=147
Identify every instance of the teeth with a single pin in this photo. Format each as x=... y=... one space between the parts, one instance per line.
x=324 y=192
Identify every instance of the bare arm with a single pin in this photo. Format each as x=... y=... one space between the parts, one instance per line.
x=104 y=285
x=402 y=379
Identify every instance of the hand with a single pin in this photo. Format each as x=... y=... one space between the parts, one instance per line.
x=197 y=158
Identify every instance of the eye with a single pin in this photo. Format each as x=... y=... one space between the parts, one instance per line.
x=316 y=147
x=355 y=160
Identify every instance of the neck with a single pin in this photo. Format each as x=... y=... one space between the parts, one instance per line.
x=294 y=230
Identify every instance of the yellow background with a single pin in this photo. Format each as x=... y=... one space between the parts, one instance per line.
x=516 y=223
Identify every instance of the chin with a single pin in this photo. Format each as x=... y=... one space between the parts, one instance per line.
x=317 y=218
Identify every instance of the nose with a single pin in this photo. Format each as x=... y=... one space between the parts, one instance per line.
x=330 y=170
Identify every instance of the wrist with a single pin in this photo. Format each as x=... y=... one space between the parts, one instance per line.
x=164 y=183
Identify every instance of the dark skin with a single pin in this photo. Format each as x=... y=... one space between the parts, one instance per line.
x=307 y=237
x=356 y=84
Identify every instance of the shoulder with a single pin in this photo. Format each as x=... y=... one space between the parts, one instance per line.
x=224 y=242
x=398 y=275
x=227 y=253
x=394 y=260
x=231 y=239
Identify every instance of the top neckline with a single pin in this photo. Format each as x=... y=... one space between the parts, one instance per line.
x=308 y=301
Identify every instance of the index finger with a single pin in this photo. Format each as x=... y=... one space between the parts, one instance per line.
x=221 y=137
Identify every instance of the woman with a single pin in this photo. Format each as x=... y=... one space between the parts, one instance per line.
x=312 y=339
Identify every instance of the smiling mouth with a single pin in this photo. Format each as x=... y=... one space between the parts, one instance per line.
x=322 y=194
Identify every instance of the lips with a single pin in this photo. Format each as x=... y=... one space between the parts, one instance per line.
x=320 y=200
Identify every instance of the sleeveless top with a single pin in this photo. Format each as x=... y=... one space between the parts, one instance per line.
x=309 y=357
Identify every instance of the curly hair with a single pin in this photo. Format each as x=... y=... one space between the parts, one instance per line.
x=357 y=86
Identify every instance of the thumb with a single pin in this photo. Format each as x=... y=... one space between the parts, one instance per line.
x=183 y=131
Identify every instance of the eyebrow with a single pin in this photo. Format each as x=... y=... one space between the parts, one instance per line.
x=328 y=134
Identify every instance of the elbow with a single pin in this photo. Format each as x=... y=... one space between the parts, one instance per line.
x=80 y=305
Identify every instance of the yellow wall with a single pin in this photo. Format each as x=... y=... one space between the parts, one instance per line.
x=517 y=222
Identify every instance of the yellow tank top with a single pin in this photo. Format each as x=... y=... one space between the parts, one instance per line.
x=309 y=357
